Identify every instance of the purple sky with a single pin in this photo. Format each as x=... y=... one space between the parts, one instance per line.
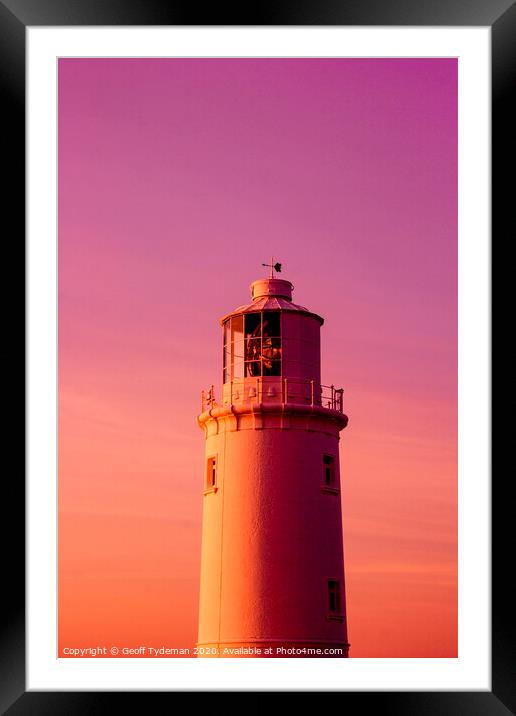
x=177 y=179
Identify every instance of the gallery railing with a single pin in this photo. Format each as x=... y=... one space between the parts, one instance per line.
x=276 y=390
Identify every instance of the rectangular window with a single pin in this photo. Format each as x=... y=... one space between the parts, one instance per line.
x=237 y=328
x=254 y=349
x=271 y=367
x=329 y=470
x=238 y=367
x=271 y=324
x=253 y=325
x=252 y=368
x=252 y=345
x=211 y=473
x=334 y=596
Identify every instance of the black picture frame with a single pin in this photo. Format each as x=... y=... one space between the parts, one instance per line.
x=500 y=16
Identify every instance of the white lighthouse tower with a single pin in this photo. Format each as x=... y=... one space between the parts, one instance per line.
x=272 y=567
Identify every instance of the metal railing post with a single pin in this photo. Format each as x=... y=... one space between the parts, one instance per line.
x=312 y=392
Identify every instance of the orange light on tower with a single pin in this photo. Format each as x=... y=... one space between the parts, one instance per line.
x=272 y=566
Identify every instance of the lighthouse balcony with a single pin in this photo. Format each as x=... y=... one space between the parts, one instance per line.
x=276 y=390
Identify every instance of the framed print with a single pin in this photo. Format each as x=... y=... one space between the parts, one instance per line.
x=338 y=162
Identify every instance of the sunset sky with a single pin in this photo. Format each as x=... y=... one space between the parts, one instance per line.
x=177 y=179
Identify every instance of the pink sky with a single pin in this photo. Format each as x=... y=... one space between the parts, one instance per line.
x=177 y=179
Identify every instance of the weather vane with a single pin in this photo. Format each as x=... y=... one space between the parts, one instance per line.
x=273 y=267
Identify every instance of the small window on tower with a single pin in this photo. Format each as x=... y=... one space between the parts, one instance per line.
x=329 y=470
x=211 y=473
x=334 y=606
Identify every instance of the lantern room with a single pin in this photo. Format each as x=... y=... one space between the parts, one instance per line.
x=269 y=342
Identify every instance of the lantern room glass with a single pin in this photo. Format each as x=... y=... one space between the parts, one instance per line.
x=252 y=345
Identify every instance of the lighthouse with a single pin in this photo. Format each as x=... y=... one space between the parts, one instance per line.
x=272 y=563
